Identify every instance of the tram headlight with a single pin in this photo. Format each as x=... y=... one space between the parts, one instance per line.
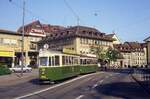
x=43 y=71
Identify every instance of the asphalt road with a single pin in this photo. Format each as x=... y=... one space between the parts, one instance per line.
x=100 y=85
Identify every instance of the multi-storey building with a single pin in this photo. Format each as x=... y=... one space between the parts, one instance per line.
x=115 y=38
x=147 y=40
x=77 y=40
x=36 y=31
x=11 y=47
x=134 y=54
x=11 y=43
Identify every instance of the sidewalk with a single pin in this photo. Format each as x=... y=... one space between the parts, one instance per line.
x=15 y=78
x=143 y=80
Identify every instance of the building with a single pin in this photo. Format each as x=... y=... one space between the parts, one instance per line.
x=11 y=47
x=76 y=40
x=115 y=38
x=147 y=40
x=134 y=54
x=11 y=44
x=36 y=31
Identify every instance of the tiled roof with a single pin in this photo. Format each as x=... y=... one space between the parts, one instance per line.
x=46 y=27
x=29 y=26
x=80 y=31
x=130 y=47
x=51 y=28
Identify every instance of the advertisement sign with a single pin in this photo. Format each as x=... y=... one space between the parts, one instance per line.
x=37 y=32
x=6 y=54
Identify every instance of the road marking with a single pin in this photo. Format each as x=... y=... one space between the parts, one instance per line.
x=94 y=86
x=101 y=81
x=49 y=88
x=79 y=97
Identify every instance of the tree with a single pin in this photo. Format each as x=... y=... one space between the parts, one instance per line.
x=100 y=54
x=113 y=55
x=106 y=55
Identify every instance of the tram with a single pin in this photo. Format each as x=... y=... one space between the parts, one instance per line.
x=54 y=65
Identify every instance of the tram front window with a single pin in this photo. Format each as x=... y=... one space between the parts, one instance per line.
x=43 y=61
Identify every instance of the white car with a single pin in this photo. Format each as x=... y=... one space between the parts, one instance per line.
x=18 y=68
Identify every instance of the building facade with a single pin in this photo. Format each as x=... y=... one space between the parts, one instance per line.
x=11 y=48
x=115 y=38
x=147 y=40
x=134 y=54
x=77 y=40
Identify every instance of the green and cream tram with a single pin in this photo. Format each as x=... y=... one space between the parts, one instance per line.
x=55 y=65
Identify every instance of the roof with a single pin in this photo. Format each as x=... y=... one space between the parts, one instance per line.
x=78 y=31
x=47 y=28
x=51 y=28
x=28 y=27
x=147 y=39
x=9 y=32
x=111 y=35
x=130 y=47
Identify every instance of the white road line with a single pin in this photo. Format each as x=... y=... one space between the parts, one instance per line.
x=101 y=81
x=49 y=88
x=79 y=97
x=94 y=86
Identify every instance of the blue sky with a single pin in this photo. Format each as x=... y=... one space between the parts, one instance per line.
x=130 y=19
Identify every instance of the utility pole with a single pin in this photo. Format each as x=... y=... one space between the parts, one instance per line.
x=22 y=47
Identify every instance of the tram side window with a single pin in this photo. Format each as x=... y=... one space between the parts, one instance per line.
x=50 y=64
x=43 y=61
x=76 y=61
x=81 y=61
x=57 y=60
x=63 y=60
x=53 y=61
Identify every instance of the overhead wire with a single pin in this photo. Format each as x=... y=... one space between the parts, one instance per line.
x=29 y=12
x=74 y=12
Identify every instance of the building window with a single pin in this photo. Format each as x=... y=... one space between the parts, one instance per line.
x=33 y=46
x=1 y=40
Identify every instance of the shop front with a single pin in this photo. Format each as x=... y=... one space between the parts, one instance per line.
x=7 y=58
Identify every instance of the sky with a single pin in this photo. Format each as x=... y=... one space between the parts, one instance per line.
x=129 y=19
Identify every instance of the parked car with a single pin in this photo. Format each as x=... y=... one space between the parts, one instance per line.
x=18 y=68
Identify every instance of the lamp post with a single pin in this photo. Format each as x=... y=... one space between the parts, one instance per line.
x=22 y=47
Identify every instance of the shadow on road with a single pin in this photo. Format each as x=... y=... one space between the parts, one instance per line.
x=125 y=71
x=125 y=90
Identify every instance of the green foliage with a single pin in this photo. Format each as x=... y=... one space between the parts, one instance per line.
x=99 y=52
x=105 y=56
x=113 y=54
x=4 y=70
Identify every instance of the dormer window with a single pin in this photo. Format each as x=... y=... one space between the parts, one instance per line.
x=51 y=35
x=83 y=31
x=67 y=32
x=61 y=33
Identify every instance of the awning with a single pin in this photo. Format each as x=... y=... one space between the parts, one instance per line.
x=7 y=54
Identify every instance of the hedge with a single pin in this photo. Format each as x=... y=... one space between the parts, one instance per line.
x=4 y=70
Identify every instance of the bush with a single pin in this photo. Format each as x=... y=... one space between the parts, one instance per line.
x=4 y=70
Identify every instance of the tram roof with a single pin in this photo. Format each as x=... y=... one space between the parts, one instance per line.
x=53 y=52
